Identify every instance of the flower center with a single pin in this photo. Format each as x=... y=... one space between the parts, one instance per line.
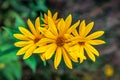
x=36 y=40
x=60 y=41
x=81 y=43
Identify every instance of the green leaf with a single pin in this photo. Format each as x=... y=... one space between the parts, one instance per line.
x=8 y=74
x=31 y=62
x=8 y=57
x=16 y=65
x=12 y=70
x=6 y=47
x=9 y=31
x=41 y=5
x=19 y=22
x=38 y=5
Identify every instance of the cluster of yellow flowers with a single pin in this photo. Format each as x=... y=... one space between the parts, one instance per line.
x=58 y=37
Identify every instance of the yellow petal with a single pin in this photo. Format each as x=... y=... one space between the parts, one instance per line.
x=75 y=33
x=56 y=21
x=29 y=52
x=49 y=13
x=55 y=16
x=20 y=37
x=68 y=36
x=52 y=26
x=88 y=28
x=66 y=59
x=45 y=16
x=50 y=51
x=61 y=27
x=74 y=48
x=68 y=21
x=44 y=20
x=82 y=28
x=37 y=24
x=73 y=27
x=26 y=32
x=90 y=54
x=72 y=55
x=95 y=35
x=42 y=49
x=92 y=49
x=96 y=42
x=45 y=40
x=47 y=33
x=23 y=50
x=31 y=27
x=81 y=54
x=58 y=57
x=44 y=25
x=75 y=39
x=42 y=56
x=22 y=43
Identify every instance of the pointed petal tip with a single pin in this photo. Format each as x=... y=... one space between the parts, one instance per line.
x=70 y=67
x=38 y=18
x=49 y=13
x=56 y=13
x=102 y=32
x=20 y=27
x=81 y=61
x=79 y=21
x=28 y=20
x=56 y=68
x=97 y=54
x=93 y=60
x=49 y=10
x=92 y=23
x=18 y=54
x=14 y=35
x=84 y=58
x=61 y=20
x=25 y=57
x=83 y=21
x=104 y=42
x=70 y=15
x=14 y=44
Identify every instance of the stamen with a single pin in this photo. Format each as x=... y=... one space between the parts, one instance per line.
x=81 y=43
x=60 y=41
x=36 y=40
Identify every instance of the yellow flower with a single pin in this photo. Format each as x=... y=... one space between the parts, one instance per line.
x=29 y=39
x=54 y=17
x=109 y=71
x=57 y=41
x=84 y=41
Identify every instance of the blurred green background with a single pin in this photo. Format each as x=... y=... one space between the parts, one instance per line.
x=105 y=14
